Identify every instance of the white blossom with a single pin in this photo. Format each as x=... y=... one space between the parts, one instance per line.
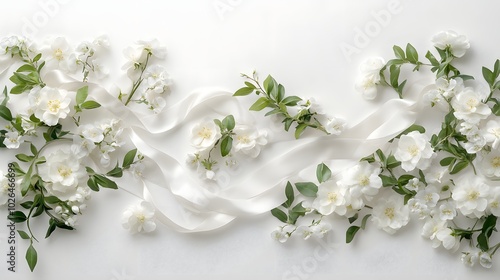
x=428 y=196
x=139 y=218
x=82 y=147
x=470 y=258
x=367 y=86
x=58 y=54
x=305 y=232
x=447 y=211
x=92 y=133
x=494 y=201
x=279 y=234
x=438 y=231
x=204 y=135
x=491 y=132
x=471 y=196
x=457 y=44
x=445 y=89
x=157 y=79
x=414 y=184
x=5 y=189
x=414 y=150
x=154 y=47
x=248 y=140
x=320 y=229
x=62 y=172
x=51 y=105
x=491 y=164
x=335 y=125
x=485 y=260
x=330 y=198
x=469 y=107
x=12 y=140
x=362 y=180
x=390 y=213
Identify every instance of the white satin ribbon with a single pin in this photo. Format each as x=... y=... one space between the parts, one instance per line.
x=184 y=203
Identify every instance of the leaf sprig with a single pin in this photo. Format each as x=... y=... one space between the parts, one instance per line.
x=272 y=95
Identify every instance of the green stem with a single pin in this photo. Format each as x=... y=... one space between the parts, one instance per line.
x=137 y=83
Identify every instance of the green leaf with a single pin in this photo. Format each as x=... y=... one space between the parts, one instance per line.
x=299 y=130
x=398 y=52
x=228 y=122
x=24 y=158
x=288 y=122
x=52 y=199
x=81 y=95
x=392 y=162
x=260 y=104
x=5 y=113
x=26 y=204
x=489 y=225
x=363 y=222
x=105 y=182
x=52 y=227
x=18 y=89
x=281 y=93
x=37 y=57
x=273 y=112
x=411 y=53
x=290 y=196
x=279 y=214
x=388 y=181
x=23 y=234
x=291 y=100
x=350 y=233
x=129 y=158
x=91 y=182
x=414 y=127
x=115 y=172
x=353 y=218
x=90 y=105
x=31 y=257
x=482 y=242
x=250 y=85
x=432 y=59
x=17 y=217
x=488 y=76
x=308 y=189
x=447 y=161
x=459 y=167
x=270 y=84
x=323 y=173
x=26 y=68
x=244 y=91
x=394 y=75
x=226 y=146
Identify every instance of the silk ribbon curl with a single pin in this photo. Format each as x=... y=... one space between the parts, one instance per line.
x=188 y=206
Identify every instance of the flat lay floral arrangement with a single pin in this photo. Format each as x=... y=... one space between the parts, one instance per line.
x=444 y=176
x=447 y=178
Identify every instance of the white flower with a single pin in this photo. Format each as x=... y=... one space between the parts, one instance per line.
x=473 y=147
x=367 y=86
x=312 y=105
x=92 y=133
x=137 y=170
x=438 y=231
x=471 y=196
x=390 y=214
x=485 y=260
x=418 y=207
x=447 y=211
x=330 y=198
x=370 y=77
x=248 y=140
x=491 y=164
x=62 y=172
x=210 y=175
x=335 y=125
x=470 y=258
x=154 y=47
x=58 y=53
x=134 y=56
x=435 y=174
x=305 y=232
x=469 y=129
x=155 y=101
x=457 y=44
x=361 y=180
x=204 y=135
x=319 y=230
x=12 y=140
x=494 y=201
x=445 y=89
x=139 y=218
x=414 y=150
x=157 y=79
x=414 y=185
x=5 y=189
x=469 y=107
x=101 y=41
x=52 y=105
x=82 y=147
x=279 y=234
x=428 y=196
x=491 y=132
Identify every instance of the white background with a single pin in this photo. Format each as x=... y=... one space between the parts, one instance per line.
x=209 y=43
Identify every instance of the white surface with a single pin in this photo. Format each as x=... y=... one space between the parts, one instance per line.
x=299 y=43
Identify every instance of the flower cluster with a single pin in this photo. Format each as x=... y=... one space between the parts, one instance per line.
x=232 y=138
x=139 y=218
x=447 y=178
x=150 y=80
x=290 y=109
x=67 y=157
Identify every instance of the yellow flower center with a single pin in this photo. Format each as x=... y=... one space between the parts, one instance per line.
x=205 y=133
x=243 y=139
x=54 y=105
x=332 y=197
x=471 y=103
x=413 y=150
x=494 y=204
x=141 y=218
x=64 y=171
x=495 y=162
x=364 y=181
x=473 y=195
x=389 y=212
x=58 y=54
